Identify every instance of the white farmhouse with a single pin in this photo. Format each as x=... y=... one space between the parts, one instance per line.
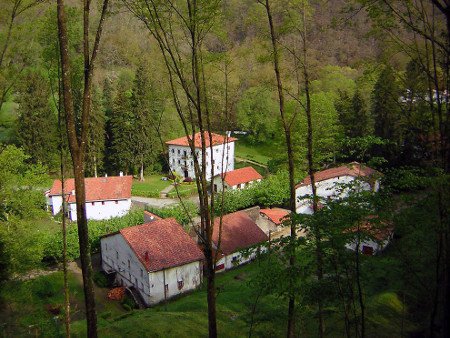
x=328 y=181
x=236 y=179
x=370 y=237
x=106 y=197
x=219 y=154
x=158 y=259
x=240 y=240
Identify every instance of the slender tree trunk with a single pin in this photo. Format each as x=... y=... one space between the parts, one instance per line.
x=95 y=166
x=63 y=219
x=141 y=171
x=290 y=153
x=77 y=138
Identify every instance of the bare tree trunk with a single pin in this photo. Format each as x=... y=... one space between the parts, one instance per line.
x=290 y=153
x=63 y=218
x=78 y=140
x=141 y=171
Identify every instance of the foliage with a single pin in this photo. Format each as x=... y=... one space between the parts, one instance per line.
x=183 y=214
x=272 y=191
x=36 y=123
x=97 y=229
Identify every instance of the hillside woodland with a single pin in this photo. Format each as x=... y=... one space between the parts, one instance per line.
x=308 y=84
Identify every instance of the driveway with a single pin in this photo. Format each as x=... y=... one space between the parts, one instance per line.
x=159 y=202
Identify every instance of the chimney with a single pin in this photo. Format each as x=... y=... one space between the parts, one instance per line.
x=106 y=175
x=73 y=192
x=121 y=173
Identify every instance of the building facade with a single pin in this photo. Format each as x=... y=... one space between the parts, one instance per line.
x=158 y=259
x=219 y=155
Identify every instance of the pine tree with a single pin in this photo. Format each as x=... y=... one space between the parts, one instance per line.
x=107 y=103
x=146 y=107
x=386 y=107
x=121 y=124
x=96 y=139
x=36 y=124
x=386 y=112
x=361 y=124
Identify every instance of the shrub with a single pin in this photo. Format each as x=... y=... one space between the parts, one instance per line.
x=100 y=279
x=97 y=229
x=181 y=214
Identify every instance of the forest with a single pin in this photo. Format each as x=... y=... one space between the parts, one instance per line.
x=94 y=88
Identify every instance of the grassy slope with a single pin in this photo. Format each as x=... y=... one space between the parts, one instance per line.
x=257 y=153
x=151 y=187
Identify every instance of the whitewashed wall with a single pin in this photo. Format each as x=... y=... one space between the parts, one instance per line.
x=55 y=202
x=376 y=246
x=326 y=189
x=217 y=180
x=118 y=256
x=178 y=159
x=99 y=210
x=238 y=258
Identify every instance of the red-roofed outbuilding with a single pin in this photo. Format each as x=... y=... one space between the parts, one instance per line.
x=236 y=179
x=234 y=233
x=333 y=183
x=158 y=259
x=106 y=197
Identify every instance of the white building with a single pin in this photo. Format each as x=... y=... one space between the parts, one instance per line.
x=371 y=237
x=236 y=179
x=219 y=154
x=330 y=182
x=106 y=197
x=240 y=240
x=158 y=259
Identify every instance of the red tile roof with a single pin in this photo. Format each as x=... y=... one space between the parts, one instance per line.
x=97 y=188
x=238 y=232
x=240 y=176
x=353 y=169
x=216 y=139
x=162 y=244
x=276 y=215
x=380 y=231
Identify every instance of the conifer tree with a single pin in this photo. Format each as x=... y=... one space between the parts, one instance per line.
x=121 y=124
x=146 y=108
x=36 y=124
x=96 y=139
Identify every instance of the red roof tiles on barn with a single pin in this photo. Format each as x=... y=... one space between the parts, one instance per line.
x=276 y=215
x=239 y=231
x=240 y=176
x=97 y=188
x=353 y=169
x=216 y=139
x=162 y=244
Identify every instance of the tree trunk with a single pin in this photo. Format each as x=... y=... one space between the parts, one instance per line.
x=290 y=153
x=77 y=138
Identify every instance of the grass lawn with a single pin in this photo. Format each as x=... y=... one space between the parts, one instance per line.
x=27 y=306
x=151 y=187
x=184 y=189
x=257 y=153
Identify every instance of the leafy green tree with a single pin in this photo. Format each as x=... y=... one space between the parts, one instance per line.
x=36 y=124
x=256 y=113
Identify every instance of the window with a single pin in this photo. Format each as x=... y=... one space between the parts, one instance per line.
x=93 y=203
x=117 y=254
x=178 y=151
x=129 y=264
x=239 y=186
x=217 y=150
x=103 y=202
x=179 y=162
x=180 y=284
x=106 y=246
x=117 y=202
x=173 y=151
x=367 y=250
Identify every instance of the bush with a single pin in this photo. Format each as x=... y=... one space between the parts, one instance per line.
x=181 y=215
x=101 y=280
x=273 y=191
x=97 y=229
